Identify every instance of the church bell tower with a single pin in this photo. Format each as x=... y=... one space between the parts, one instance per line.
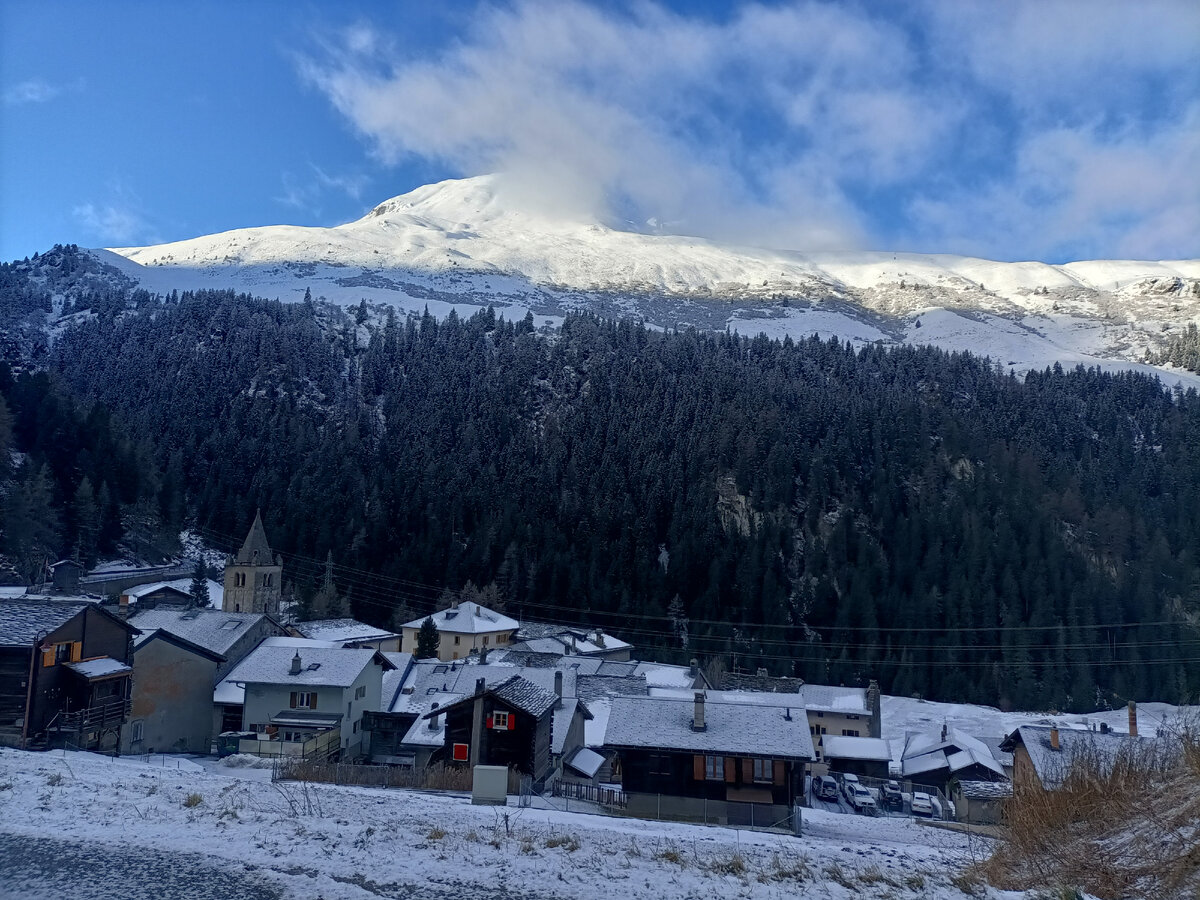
x=254 y=576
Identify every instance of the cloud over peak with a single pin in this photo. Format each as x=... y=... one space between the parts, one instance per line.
x=807 y=125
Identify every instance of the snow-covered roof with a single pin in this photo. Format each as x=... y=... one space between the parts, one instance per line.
x=1101 y=749
x=586 y=762
x=542 y=637
x=560 y=724
x=256 y=550
x=949 y=739
x=319 y=666
x=216 y=590
x=24 y=621
x=930 y=762
x=468 y=618
x=101 y=667
x=846 y=747
x=145 y=637
x=428 y=678
x=517 y=693
x=828 y=698
x=421 y=734
x=733 y=728
x=965 y=758
x=211 y=629
x=343 y=631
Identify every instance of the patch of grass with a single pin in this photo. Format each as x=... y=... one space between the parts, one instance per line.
x=671 y=855
x=191 y=801
x=568 y=842
x=734 y=864
x=54 y=779
x=968 y=882
x=436 y=833
x=527 y=845
x=790 y=869
x=471 y=835
x=835 y=873
x=876 y=875
x=914 y=881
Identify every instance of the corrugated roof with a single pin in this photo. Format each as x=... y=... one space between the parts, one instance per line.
x=986 y=790
x=731 y=728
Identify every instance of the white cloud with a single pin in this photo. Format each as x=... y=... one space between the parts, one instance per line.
x=785 y=124
x=37 y=90
x=307 y=193
x=118 y=221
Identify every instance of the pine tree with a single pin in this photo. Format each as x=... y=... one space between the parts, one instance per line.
x=199 y=587
x=427 y=640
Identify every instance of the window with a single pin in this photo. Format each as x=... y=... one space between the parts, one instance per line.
x=461 y=752
x=820 y=714
x=659 y=764
x=485 y=640
x=764 y=771
x=135 y=730
x=239 y=579
x=851 y=716
x=500 y=721
x=714 y=768
x=304 y=699
x=456 y=638
x=356 y=728
x=267 y=580
x=360 y=692
x=849 y=732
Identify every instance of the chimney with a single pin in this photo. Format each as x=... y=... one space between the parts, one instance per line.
x=693 y=668
x=943 y=731
x=875 y=729
x=483 y=656
x=558 y=687
x=698 y=717
x=123 y=606
x=1132 y=719
x=433 y=719
x=479 y=686
x=1104 y=728
x=787 y=714
x=1054 y=745
x=296 y=664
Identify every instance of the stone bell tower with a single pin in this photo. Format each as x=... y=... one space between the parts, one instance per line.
x=254 y=576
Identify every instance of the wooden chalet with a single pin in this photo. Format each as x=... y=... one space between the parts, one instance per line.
x=65 y=670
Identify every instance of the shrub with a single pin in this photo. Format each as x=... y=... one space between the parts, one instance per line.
x=191 y=801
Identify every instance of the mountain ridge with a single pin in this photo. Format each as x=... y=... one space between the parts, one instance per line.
x=477 y=242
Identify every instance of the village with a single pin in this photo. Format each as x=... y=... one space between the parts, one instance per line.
x=472 y=700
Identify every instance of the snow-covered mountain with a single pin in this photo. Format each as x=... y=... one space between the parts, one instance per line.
x=473 y=242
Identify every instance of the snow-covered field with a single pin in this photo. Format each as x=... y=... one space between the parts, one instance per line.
x=342 y=842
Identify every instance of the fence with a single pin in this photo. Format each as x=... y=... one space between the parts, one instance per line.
x=610 y=801
x=591 y=793
x=443 y=778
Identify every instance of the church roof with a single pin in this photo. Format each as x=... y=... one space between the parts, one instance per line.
x=256 y=550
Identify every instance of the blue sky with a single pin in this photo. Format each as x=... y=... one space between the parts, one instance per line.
x=1051 y=130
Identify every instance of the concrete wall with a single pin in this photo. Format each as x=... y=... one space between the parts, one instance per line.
x=172 y=698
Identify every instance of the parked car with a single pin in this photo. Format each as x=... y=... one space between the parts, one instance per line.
x=862 y=800
x=922 y=804
x=891 y=796
x=849 y=783
x=825 y=788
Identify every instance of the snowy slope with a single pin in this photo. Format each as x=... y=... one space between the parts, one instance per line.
x=332 y=842
x=466 y=243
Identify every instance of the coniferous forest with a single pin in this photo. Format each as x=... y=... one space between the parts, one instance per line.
x=906 y=514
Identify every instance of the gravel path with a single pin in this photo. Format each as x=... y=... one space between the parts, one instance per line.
x=51 y=869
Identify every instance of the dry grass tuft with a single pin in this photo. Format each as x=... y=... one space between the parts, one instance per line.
x=191 y=801
x=1121 y=827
